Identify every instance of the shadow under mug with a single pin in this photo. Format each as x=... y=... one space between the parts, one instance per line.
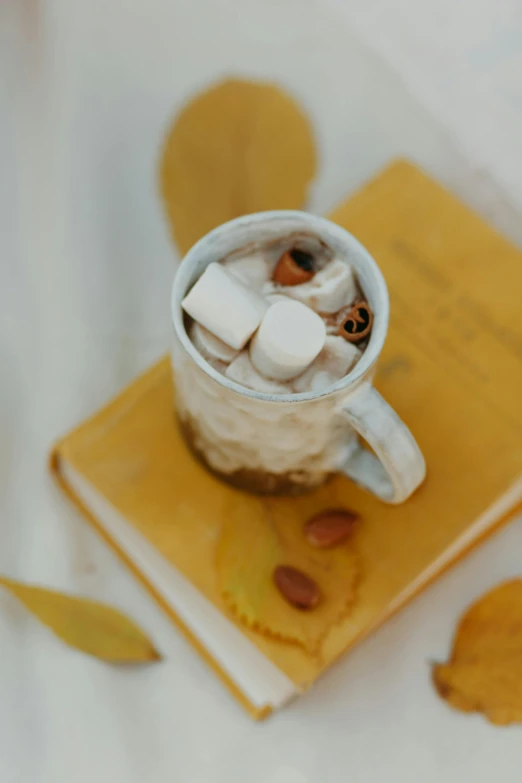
x=276 y=444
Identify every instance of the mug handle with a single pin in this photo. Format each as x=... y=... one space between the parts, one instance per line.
x=399 y=467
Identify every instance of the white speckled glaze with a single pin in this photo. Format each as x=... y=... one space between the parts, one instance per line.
x=296 y=441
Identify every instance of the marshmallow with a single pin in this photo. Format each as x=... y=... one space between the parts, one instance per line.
x=331 y=288
x=221 y=303
x=288 y=340
x=335 y=360
x=253 y=270
x=273 y=298
x=210 y=346
x=242 y=371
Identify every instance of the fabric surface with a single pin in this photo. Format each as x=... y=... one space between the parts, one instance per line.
x=86 y=91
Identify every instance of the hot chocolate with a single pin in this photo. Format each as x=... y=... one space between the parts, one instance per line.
x=280 y=317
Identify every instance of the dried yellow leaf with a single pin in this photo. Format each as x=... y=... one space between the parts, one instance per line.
x=237 y=148
x=484 y=673
x=260 y=534
x=87 y=625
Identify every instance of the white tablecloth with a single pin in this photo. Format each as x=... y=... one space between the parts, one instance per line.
x=86 y=90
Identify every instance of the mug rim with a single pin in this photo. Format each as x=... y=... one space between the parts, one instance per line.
x=313 y=223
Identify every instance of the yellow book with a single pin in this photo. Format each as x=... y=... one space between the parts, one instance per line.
x=451 y=368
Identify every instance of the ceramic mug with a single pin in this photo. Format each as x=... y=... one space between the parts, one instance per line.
x=277 y=444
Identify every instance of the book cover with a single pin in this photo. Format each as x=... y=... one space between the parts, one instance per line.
x=451 y=368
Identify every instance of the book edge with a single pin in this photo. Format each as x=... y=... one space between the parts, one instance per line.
x=395 y=606
x=438 y=569
x=254 y=712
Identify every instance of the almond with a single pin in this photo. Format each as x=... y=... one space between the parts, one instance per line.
x=296 y=587
x=294 y=268
x=330 y=527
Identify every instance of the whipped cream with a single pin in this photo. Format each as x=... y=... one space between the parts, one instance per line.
x=331 y=289
x=334 y=362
